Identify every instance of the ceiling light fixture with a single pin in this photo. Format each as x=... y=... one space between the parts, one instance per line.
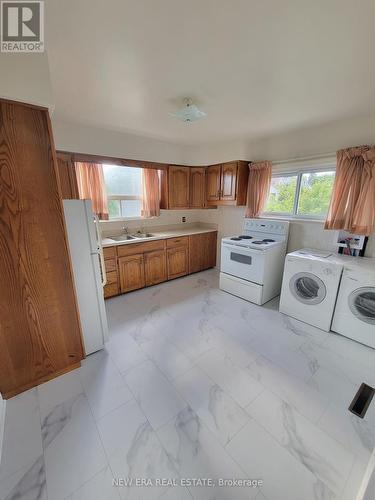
x=189 y=113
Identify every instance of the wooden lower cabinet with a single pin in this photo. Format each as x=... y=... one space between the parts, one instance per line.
x=202 y=254
x=133 y=266
x=132 y=272
x=177 y=262
x=111 y=288
x=155 y=267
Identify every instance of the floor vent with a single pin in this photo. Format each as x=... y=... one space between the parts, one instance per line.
x=362 y=400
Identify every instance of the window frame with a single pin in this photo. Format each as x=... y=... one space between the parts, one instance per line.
x=323 y=167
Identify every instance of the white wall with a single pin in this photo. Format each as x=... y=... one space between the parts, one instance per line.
x=304 y=142
x=2 y=421
x=26 y=78
x=85 y=139
x=301 y=142
x=367 y=489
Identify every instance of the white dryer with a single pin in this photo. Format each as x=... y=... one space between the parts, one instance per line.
x=354 y=315
x=310 y=285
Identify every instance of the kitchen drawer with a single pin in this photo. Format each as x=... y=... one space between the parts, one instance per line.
x=109 y=252
x=110 y=265
x=112 y=277
x=134 y=248
x=111 y=290
x=178 y=242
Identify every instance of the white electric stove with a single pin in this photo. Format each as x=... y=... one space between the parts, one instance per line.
x=252 y=263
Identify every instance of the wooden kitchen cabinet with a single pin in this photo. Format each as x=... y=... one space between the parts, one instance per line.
x=136 y=265
x=202 y=251
x=197 y=187
x=110 y=262
x=155 y=267
x=226 y=184
x=228 y=181
x=213 y=183
x=179 y=187
x=40 y=333
x=132 y=272
x=67 y=176
x=177 y=262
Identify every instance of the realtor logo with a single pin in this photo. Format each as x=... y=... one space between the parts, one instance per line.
x=22 y=26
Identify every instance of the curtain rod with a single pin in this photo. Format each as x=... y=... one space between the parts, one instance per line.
x=305 y=158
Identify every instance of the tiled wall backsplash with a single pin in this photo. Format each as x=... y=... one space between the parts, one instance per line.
x=167 y=218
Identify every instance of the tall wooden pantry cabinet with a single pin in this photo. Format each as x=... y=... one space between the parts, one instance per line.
x=40 y=334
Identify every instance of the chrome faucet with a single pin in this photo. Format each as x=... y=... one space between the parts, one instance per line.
x=126 y=230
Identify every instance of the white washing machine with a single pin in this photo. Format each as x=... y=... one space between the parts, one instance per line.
x=310 y=285
x=354 y=315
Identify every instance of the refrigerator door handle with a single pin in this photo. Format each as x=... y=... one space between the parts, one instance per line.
x=100 y=249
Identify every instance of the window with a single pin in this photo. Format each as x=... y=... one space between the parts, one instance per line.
x=304 y=194
x=124 y=191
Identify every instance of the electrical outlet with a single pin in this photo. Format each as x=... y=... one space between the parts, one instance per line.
x=183 y=219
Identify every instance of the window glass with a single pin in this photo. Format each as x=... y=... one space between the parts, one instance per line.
x=131 y=208
x=303 y=194
x=122 y=180
x=114 y=209
x=282 y=194
x=124 y=191
x=315 y=193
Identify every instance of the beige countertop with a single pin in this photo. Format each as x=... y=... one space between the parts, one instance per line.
x=160 y=235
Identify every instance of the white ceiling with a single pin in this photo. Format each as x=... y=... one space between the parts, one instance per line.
x=257 y=67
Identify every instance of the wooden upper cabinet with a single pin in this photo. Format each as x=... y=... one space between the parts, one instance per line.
x=132 y=273
x=40 y=333
x=213 y=183
x=179 y=187
x=197 y=187
x=228 y=181
x=226 y=184
x=155 y=267
x=67 y=176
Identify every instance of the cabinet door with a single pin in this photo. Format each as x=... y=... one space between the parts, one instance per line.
x=202 y=251
x=228 y=181
x=155 y=267
x=179 y=187
x=210 y=250
x=177 y=262
x=67 y=177
x=213 y=179
x=132 y=274
x=197 y=187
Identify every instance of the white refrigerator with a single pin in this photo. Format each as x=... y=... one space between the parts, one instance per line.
x=88 y=269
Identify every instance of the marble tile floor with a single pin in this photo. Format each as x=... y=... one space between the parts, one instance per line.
x=195 y=383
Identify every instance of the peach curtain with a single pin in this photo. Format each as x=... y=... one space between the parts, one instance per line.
x=352 y=206
x=150 y=193
x=258 y=187
x=90 y=180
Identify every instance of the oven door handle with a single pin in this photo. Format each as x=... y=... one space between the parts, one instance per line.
x=241 y=249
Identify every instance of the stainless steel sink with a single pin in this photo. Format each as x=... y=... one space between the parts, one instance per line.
x=123 y=237
x=142 y=235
